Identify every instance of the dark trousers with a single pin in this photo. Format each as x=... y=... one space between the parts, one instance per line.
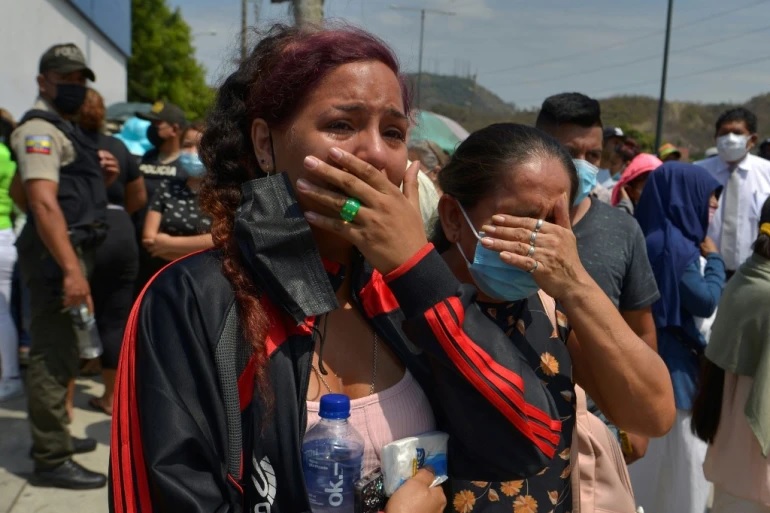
x=53 y=354
x=112 y=283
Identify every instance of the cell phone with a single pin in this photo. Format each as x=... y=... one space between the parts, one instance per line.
x=370 y=493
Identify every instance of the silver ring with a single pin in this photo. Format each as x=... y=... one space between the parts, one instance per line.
x=534 y=267
x=532 y=238
x=531 y=250
x=539 y=225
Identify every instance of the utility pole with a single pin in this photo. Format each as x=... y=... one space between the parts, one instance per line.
x=244 y=29
x=308 y=11
x=422 y=35
x=662 y=99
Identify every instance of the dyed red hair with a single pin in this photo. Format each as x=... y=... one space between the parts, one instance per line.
x=272 y=83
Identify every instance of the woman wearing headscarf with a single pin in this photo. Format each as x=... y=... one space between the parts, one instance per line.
x=732 y=411
x=673 y=212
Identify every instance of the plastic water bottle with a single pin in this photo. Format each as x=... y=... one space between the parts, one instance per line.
x=332 y=453
x=89 y=343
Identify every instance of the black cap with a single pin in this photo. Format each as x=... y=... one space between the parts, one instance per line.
x=613 y=131
x=164 y=111
x=64 y=59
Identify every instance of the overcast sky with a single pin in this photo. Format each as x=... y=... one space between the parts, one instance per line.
x=525 y=50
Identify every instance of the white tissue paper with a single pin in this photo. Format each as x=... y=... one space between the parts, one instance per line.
x=403 y=458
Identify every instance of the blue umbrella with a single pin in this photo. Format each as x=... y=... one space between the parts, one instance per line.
x=443 y=131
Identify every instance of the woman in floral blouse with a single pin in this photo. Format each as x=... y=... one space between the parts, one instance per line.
x=504 y=227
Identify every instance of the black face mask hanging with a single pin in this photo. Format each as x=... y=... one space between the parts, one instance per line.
x=276 y=242
x=69 y=98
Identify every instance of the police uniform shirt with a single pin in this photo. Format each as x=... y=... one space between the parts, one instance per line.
x=40 y=148
x=156 y=172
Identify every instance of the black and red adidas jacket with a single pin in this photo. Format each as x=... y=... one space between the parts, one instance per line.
x=169 y=438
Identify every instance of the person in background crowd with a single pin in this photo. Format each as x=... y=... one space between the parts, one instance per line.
x=668 y=152
x=673 y=213
x=158 y=166
x=175 y=226
x=117 y=258
x=609 y=170
x=746 y=182
x=764 y=149
x=732 y=409
x=312 y=311
x=628 y=190
x=610 y=244
x=431 y=158
x=64 y=176
x=161 y=163
x=520 y=171
x=10 y=382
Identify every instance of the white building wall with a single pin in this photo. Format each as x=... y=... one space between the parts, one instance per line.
x=30 y=27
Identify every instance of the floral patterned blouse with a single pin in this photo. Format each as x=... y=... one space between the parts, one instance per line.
x=531 y=331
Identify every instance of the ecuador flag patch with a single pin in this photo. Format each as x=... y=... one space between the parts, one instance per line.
x=40 y=144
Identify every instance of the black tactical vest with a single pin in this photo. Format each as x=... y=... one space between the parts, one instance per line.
x=82 y=193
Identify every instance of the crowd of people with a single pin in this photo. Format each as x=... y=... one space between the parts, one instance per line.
x=532 y=278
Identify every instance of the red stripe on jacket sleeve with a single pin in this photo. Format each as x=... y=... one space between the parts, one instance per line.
x=131 y=490
x=507 y=374
x=377 y=298
x=451 y=336
x=130 y=486
x=406 y=266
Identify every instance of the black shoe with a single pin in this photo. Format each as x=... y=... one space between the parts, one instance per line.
x=69 y=475
x=79 y=446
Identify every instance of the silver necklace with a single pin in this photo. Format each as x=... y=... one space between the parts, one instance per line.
x=374 y=370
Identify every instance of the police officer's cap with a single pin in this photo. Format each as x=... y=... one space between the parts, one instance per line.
x=65 y=58
x=165 y=111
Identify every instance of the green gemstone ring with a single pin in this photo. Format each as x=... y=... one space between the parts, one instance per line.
x=350 y=209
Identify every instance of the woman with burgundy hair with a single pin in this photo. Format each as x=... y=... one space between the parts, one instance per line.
x=324 y=263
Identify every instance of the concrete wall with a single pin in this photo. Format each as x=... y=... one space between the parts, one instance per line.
x=30 y=27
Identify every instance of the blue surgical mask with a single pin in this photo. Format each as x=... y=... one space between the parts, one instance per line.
x=586 y=179
x=494 y=277
x=192 y=165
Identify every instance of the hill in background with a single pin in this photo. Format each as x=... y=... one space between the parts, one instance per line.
x=687 y=124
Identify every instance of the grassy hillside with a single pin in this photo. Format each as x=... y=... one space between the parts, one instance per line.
x=690 y=125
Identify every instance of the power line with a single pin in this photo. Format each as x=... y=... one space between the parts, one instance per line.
x=626 y=42
x=641 y=59
x=734 y=65
x=619 y=89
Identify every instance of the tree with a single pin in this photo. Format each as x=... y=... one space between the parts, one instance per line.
x=163 y=65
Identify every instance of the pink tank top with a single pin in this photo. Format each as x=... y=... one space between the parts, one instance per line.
x=397 y=412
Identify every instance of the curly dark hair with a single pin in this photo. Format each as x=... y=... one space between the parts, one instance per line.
x=271 y=84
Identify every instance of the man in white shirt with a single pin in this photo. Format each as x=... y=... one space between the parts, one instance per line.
x=746 y=181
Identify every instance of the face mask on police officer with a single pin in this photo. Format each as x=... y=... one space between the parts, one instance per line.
x=154 y=137
x=69 y=98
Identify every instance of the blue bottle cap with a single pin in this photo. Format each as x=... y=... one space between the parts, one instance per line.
x=334 y=406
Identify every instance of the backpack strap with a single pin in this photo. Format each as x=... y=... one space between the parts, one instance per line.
x=227 y=362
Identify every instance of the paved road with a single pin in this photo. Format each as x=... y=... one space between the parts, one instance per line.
x=16 y=494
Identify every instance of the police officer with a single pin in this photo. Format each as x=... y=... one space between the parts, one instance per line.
x=158 y=165
x=161 y=163
x=63 y=175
